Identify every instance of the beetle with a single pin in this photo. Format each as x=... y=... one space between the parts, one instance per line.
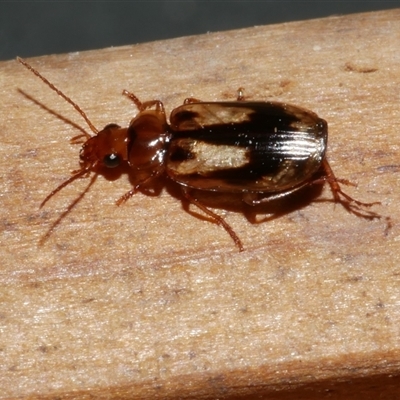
x=262 y=151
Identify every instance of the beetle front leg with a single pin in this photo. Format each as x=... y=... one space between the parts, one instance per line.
x=215 y=217
x=159 y=106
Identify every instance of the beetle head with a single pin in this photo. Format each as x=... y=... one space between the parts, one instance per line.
x=106 y=149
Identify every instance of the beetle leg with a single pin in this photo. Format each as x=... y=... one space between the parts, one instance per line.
x=336 y=189
x=147 y=104
x=351 y=204
x=216 y=218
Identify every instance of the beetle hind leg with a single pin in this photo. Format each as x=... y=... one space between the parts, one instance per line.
x=215 y=217
x=351 y=204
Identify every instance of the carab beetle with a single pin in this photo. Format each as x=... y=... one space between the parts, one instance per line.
x=260 y=150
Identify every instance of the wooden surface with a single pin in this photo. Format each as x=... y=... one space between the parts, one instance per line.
x=146 y=301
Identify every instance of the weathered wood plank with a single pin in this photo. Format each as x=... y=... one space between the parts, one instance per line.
x=145 y=301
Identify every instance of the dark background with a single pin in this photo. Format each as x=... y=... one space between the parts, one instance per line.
x=45 y=27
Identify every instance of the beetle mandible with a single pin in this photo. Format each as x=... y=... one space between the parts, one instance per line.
x=261 y=150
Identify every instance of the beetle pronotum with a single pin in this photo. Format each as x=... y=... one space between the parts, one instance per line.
x=262 y=151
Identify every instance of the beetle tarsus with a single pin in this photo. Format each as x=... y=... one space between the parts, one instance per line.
x=352 y=205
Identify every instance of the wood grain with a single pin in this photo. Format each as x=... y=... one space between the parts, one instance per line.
x=144 y=301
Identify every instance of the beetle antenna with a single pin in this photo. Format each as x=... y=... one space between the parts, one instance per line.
x=60 y=93
x=75 y=176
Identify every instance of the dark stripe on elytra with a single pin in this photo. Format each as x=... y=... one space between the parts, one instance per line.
x=264 y=126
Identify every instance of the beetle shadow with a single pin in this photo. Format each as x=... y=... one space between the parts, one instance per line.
x=277 y=208
x=109 y=174
x=71 y=205
x=233 y=202
x=52 y=112
x=268 y=210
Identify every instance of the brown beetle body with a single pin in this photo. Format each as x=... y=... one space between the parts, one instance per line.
x=261 y=150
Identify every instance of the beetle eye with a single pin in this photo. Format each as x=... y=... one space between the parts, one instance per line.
x=112 y=160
